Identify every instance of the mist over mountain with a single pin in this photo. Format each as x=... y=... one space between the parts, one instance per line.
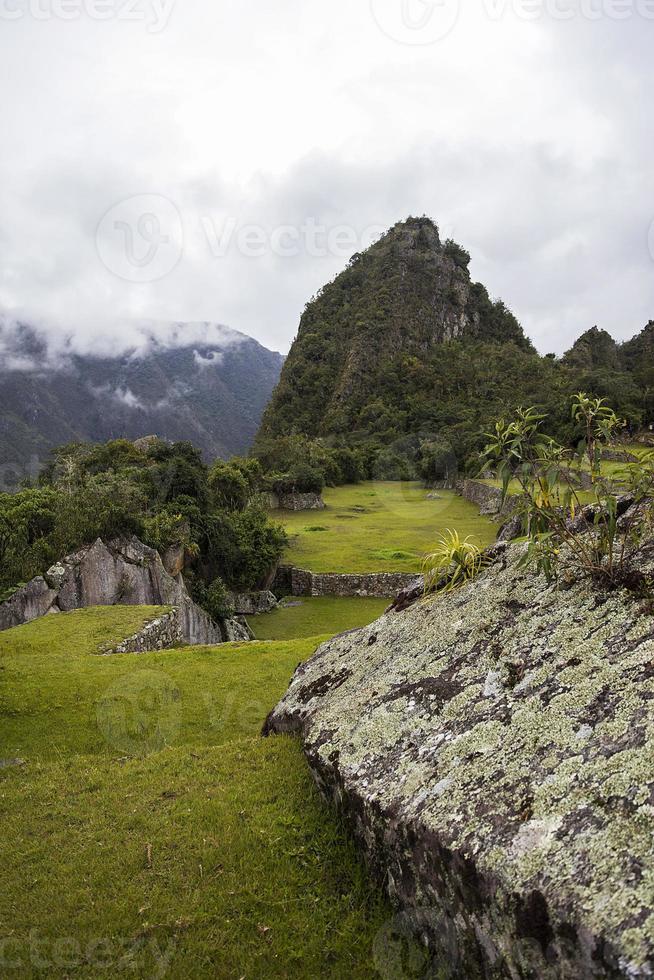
x=202 y=382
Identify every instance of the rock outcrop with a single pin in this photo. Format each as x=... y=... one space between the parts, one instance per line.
x=253 y=603
x=122 y=572
x=493 y=750
x=29 y=602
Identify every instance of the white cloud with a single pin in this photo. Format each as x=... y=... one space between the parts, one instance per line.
x=210 y=359
x=525 y=140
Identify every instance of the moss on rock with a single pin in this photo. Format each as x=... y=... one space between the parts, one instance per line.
x=493 y=749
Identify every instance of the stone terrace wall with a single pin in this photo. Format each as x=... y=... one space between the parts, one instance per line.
x=296 y=501
x=159 y=634
x=487 y=498
x=381 y=585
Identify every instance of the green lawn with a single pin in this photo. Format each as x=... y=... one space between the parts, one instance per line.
x=378 y=527
x=297 y=617
x=151 y=832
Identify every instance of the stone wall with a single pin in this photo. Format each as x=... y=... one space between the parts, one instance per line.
x=487 y=498
x=296 y=501
x=381 y=585
x=159 y=634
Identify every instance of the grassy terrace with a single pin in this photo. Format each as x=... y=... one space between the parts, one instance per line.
x=378 y=527
x=151 y=832
x=312 y=616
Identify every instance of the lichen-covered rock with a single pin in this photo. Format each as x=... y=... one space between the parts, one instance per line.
x=236 y=630
x=493 y=750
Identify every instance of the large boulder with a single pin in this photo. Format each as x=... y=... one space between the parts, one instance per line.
x=253 y=603
x=27 y=603
x=121 y=572
x=493 y=751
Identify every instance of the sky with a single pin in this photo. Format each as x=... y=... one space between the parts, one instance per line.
x=220 y=160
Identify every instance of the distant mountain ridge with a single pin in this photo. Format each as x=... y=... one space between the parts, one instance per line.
x=211 y=393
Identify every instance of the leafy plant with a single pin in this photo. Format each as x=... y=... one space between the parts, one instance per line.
x=219 y=602
x=602 y=537
x=455 y=561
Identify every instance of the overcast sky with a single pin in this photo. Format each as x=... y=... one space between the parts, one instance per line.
x=221 y=159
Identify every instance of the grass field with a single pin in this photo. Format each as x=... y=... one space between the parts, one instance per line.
x=150 y=831
x=378 y=527
x=312 y=616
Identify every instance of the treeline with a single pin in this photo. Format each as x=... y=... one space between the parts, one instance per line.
x=165 y=494
x=429 y=415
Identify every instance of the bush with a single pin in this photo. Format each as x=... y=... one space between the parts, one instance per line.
x=218 y=601
x=258 y=547
x=229 y=488
x=597 y=539
x=301 y=479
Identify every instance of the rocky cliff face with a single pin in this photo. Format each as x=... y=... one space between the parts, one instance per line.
x=122 y=572
x=492 y=749
x=404 y=297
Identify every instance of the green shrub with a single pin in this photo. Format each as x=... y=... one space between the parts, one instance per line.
x=218 y=602
x=596 y=538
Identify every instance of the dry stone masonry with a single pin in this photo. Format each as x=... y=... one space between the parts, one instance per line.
x=381 y=585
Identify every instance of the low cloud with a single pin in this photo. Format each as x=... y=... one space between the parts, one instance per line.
x=210 y=359
x=30 y=343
